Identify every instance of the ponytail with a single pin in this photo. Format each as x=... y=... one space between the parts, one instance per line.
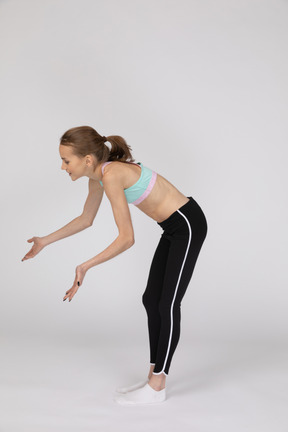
x=120 y=150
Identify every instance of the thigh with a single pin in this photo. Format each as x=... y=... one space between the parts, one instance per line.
x=157 y=269
x=181 y=260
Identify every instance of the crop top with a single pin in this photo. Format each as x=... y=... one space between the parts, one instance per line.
x=142 y=188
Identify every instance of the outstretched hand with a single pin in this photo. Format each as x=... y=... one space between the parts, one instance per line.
x=38 y=245
x=80 y=274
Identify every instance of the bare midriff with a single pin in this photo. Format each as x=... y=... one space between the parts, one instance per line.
x=163 y=200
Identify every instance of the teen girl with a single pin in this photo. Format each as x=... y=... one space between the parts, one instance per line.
x=184 y=228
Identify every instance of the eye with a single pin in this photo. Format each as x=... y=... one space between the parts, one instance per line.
x=66 y=162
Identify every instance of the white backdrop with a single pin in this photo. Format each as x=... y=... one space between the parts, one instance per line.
x=199 y=91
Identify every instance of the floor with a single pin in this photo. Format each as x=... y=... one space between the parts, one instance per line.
x=52 y=385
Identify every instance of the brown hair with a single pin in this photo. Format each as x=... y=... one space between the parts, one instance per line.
x=85 y=140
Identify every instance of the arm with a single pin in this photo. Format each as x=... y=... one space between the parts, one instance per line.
x=115 y=193
x=83 y=221
x=76 y=225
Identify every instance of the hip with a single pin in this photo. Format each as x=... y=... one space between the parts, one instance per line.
x=187 y=217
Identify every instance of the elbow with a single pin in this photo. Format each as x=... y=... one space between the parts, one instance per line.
x=130 y=242
x=127 y=241
x=87 y=222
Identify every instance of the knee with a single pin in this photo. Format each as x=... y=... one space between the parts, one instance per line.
x=146 y=299
x=149 y=299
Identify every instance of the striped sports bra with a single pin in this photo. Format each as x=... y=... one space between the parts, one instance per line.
x=136 y=193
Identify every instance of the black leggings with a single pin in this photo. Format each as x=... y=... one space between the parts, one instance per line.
x=170 y=273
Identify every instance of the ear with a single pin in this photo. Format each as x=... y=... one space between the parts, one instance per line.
x=89 y=160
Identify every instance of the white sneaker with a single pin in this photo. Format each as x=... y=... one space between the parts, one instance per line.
x=133 y=387
x=144 y=395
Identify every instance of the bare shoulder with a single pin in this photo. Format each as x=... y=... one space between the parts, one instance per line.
x=113 y=172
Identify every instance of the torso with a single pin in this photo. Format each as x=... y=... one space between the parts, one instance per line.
x=163 y=200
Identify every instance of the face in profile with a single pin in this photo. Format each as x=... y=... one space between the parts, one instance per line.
x=73 y=165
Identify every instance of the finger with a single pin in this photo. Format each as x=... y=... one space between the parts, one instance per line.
x=26 y=257
x=72 y=295
x=69 y=290
x=68 y=294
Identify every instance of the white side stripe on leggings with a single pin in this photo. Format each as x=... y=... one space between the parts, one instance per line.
x=171 y=310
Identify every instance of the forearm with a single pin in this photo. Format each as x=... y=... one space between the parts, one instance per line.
x=119 y=245
x=76 y=225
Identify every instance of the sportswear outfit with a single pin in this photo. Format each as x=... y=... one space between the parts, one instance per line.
x=184 y=232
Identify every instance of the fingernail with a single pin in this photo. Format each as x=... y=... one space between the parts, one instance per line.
x=78 y=283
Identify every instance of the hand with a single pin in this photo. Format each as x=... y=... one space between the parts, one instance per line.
x=36 y=248
x=80 y=274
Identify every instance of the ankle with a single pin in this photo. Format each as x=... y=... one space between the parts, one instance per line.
x=151 y=370
x=157 y=385
x=157 y=381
